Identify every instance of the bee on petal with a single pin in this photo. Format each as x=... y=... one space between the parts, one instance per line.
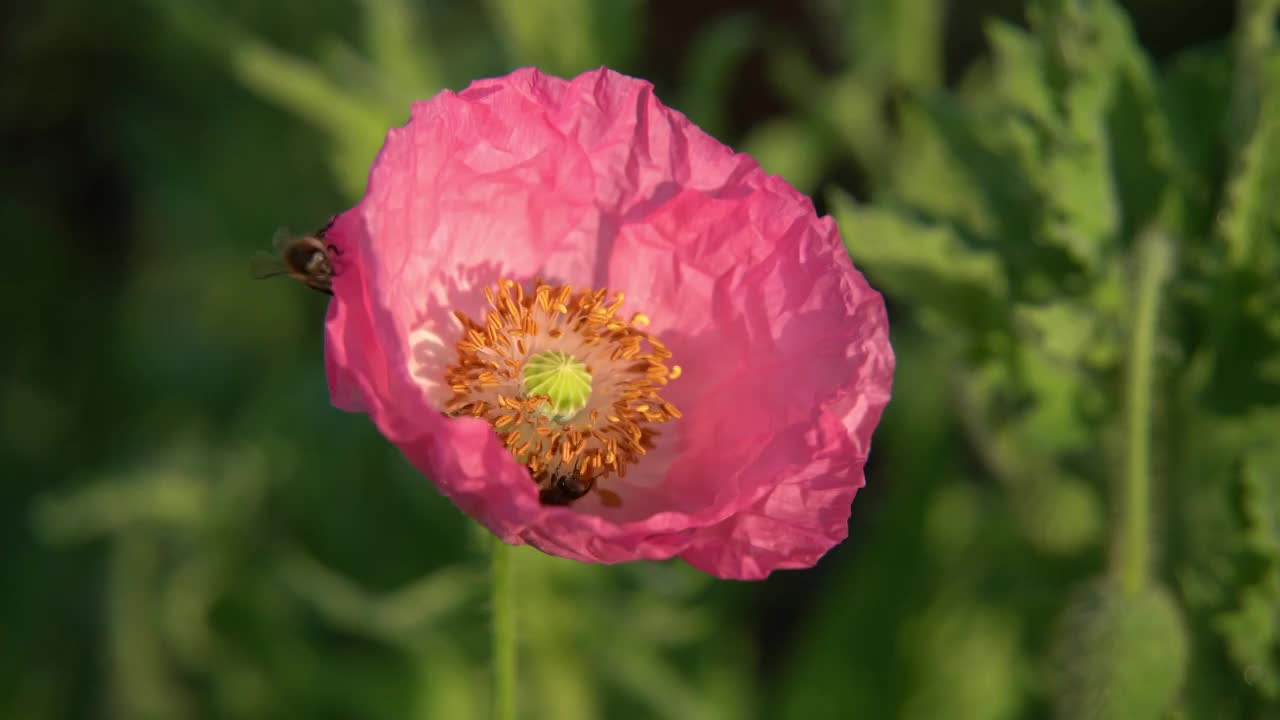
x=306 y=258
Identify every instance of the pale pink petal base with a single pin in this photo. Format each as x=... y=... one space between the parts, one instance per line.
x=785 y=352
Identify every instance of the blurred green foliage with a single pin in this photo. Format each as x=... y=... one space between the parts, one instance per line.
x=191 y=531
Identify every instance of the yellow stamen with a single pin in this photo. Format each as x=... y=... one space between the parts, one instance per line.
x=569 y=447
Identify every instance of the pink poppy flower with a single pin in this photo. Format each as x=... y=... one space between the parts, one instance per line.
x=600 y=332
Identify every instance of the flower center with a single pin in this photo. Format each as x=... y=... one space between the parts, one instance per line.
x=562 y=378
x=570 y=387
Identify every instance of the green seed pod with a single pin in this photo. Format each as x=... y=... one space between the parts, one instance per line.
x=1118 y=656
x=562 y=378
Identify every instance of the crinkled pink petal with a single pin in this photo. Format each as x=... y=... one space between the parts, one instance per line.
x=593 y=182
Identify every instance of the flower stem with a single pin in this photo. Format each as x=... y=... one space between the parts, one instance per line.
x=1154 y=265
x=504 y=632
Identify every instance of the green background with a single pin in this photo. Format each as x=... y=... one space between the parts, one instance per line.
x=1065 y=202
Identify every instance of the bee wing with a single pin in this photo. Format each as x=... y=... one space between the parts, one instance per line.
x=262 y=266
x=282 y=237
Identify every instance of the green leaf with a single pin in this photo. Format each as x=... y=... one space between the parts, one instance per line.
x=1083 y=206
x=789 y=148
x=1075 y=108
x=169 y=492
x=969 y=663
x=897 y=42
x=951 y=167
x=447 y=686
x=713 y=63
x=1053 y=422
x=567 y=37
x=393 y=617
x=894 y=50
x=1066 y=332
x=1254 y=41
x=145 y=682
x=303 y=88
x=1226 y=541
x=399 y=51
x=356 y=125
x=1251 y=627
x=1241 y=315
x=1017 y=70
x=1249 y=217
x=1152 y=179
x=1248 y=223
x=925 y=263
x=1196 y=88
x=1020 y=423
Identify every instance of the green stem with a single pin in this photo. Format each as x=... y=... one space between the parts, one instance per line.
x=1155 y=263
x=504 y=632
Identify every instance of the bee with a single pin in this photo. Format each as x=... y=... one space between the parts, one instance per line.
x=564 y=488
x=306 y=258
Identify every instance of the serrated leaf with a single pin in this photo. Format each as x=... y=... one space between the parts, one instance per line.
x=1251 y=630
x=1262 y=499
x=1053 y=423
x=1254 y=40
x=952 y=167
x=894 y=51
x=1067 y=332
x=1248 y=222
x=1251 y=627
x=1019 y=423
x=1226 y=518
x=1196 y=87
x=1152 y=180
x=925 y=263
x=1075 y=107
x=853 y=106
x=1017 y=60
x=1246 y=371
x=1083 y=213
